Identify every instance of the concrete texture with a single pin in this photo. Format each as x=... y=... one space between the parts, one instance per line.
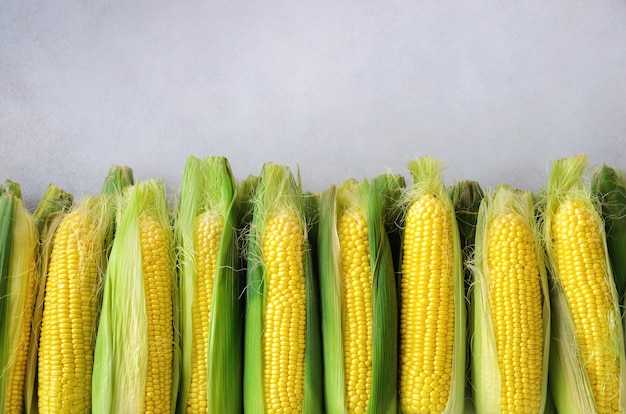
x=497 y=89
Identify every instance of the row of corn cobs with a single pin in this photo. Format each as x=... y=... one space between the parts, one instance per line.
x=370 y=297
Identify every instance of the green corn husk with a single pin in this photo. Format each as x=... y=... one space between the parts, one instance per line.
x=370 y=200
x=18 y=244
x=245 y=200
x=609 y=187
x=314 y=381
x=550 y=408
x=121 y=354
x=47 y=216
x=209 y=187
x=119 y=177
x=466 y=197
x=7 y=207
x=427 y=181
x=486 y=375
x=569 y=380
x=53 y=201
x=277 y=190
x=393 y=215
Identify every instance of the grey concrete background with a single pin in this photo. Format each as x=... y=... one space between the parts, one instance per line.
x=497 y=89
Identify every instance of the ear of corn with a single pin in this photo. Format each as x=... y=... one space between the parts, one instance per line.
x=609 y=187
x=210 y=290
x=18 y=243
x=432 y=304
x=511 y=313
x=73 y=292
x=134 y=357
x=71 y=307
x=587 y=354
x=282 y=338
x=466 y=197
x=47 y=216
x=359 y=305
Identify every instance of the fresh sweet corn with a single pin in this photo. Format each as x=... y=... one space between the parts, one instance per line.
x=359 y=304
x=155 y=240
x=282 y=343
x=510 y=307
x=72 y=283
x=284 y=334
x=432 y=300
x=357 y=288
x=134 y=357
x=210 y=290
x=47 y=217
x=71 y=308
x=587 y=362
x=18 y=244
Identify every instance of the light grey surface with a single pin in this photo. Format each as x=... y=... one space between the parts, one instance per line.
x=496 y=89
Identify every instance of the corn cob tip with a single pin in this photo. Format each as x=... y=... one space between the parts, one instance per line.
x=118 y=178
x=13 y=188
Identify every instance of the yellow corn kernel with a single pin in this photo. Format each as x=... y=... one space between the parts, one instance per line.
x=357 y=287
x=285 y=313
x=580 y=262
x=517 y=312
x=427 y=307
x=69 y=319
x=157 y=270
x=209 y=226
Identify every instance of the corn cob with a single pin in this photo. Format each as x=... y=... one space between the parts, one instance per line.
x=282 y=355
x=587 y=354
x=609 y=187
x=134 y=357
x=47 y=216
x=18 y=244
x=210 y=288
x=359 y=304
x=72 y=301
x=70 y=309
x=510 y=307
x=432 y=304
